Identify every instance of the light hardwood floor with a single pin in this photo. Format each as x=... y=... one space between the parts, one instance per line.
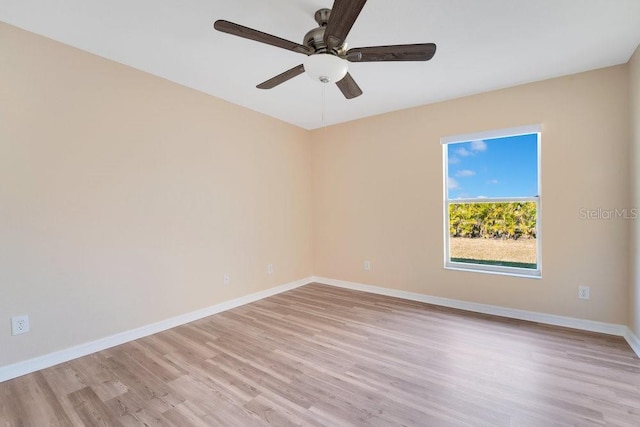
x=320 y=355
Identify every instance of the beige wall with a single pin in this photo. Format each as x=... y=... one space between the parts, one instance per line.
x=124 y=198
x=377 y=186
x=634 y=294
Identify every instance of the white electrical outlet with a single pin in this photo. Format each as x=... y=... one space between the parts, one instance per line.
x=270 y=269
x=19 y=325
x=584 y=292
x=367 y=265
x=226 y=279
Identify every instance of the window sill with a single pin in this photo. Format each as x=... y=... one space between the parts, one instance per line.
x=503 y=271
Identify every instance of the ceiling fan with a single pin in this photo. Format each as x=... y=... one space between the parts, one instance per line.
x=326 y=48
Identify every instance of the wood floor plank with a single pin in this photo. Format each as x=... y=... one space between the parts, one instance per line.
x=325 y=356
x=186 y=414
x=91 y=409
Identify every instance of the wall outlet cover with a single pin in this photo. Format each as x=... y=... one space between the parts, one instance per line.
x=19 y=325
x=584 y=292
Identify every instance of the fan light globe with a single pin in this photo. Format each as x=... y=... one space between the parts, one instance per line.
x=325 y=67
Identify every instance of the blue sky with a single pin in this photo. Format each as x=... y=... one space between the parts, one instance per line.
x=501 y=167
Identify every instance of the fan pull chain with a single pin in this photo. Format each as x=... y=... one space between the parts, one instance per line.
x=323 y=102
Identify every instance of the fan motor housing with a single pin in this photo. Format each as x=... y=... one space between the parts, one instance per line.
x=315 y=38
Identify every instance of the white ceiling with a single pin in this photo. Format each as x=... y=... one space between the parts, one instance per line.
x=482 y=45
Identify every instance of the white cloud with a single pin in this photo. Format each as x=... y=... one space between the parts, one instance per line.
x=452 y=184
x=454 y=160
x=474 y=147
x=482 y=197
x=463 y=152
x=478 y=145
x=465 y=172
x=493 y=181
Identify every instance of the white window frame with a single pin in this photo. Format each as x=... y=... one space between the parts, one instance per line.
x=484 y=268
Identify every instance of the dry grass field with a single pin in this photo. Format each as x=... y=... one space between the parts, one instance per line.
x=522 y=250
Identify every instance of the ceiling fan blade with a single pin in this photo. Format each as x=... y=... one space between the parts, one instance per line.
x=259 y=36
x=281 y=78
x=349 y=87
x=343 y=15
x=402 y=52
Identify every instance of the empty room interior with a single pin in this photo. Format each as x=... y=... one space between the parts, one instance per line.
x=441 y=229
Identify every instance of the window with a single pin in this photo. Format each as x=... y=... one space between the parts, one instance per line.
x=492 y=201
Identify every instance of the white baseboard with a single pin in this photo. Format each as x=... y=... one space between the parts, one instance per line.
x=633 y=341
x=532 y=316
x=28 y=366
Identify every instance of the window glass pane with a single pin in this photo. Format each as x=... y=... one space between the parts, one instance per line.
x=500 y=167
x=500 y=234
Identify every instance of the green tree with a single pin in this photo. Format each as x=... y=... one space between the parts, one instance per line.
x=507 y=220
